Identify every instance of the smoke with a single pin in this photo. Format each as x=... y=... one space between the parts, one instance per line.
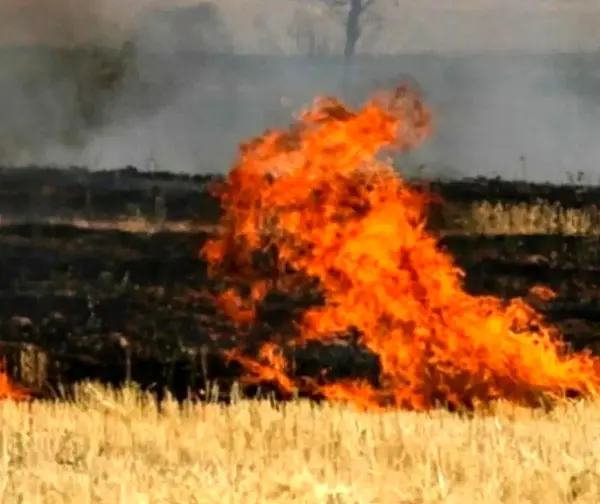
x=59 y=22
x=517 y=96
x=513 y=86
x=192 y=98
x=43 y=65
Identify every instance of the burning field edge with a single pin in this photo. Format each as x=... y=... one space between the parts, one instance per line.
x=333 y=279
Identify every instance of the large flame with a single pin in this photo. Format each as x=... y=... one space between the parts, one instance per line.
x=318 y=200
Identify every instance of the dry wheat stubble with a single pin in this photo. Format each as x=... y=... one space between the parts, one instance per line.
x=116 y=448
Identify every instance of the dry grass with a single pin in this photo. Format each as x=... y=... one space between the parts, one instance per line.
x=514 y=219
x=141 y=225
x=476 y=218
x=115 y=448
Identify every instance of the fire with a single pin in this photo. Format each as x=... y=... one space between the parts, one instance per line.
x=542 y=292
x=316 y=207
x=9 y=390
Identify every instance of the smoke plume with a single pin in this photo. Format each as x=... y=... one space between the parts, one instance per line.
x=513 y=86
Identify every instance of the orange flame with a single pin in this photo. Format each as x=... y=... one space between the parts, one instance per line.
x=9 y=390
x=543 y=292
x=318 y=200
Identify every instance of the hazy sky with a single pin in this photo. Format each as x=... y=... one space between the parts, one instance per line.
x=489 y=115
x=409 y=25
x=52 y=21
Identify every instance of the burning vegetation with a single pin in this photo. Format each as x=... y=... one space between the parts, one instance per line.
x=328 y=283
x=313 y=213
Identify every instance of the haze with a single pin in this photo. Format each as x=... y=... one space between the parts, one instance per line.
x=514 y=85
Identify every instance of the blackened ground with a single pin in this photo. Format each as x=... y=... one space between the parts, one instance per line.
x=37 y=192
x=118 y=306
x=115 y=305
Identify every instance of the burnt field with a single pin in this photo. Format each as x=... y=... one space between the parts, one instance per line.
x=101 y=278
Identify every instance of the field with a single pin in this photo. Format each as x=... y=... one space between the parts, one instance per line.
x=115 y=448
x=99 y=280
x=101 y=273
x=312 y=340
x=331 y=291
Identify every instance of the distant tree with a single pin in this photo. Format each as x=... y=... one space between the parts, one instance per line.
x=356 y=14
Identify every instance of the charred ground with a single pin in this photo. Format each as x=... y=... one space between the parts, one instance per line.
x=101 y=278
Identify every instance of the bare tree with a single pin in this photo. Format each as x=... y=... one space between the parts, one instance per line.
x=357 y=14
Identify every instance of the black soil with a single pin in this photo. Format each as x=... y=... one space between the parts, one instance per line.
x=116 y=306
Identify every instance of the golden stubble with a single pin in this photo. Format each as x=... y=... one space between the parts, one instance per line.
x=115 y=447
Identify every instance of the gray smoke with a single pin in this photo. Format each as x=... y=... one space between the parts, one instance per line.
x=516 y=92
x=518 y=95
x=41 y=73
